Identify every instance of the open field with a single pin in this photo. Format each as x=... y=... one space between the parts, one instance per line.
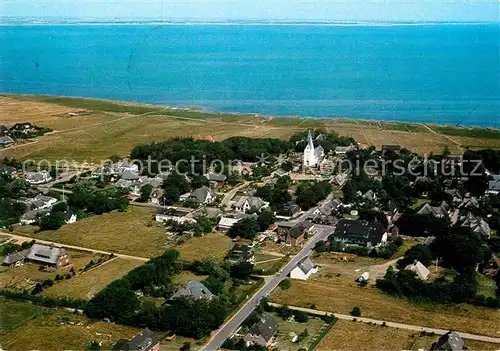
x=29 y=327
x=116 y=127
x=85 y=285
x=129 y=232
x=340 y=294
x=284 y=340
x=214 y=245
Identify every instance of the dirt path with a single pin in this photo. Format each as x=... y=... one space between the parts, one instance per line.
x=394 y=325
x=445 y=136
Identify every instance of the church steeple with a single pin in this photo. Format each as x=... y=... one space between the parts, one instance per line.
x=310 y=144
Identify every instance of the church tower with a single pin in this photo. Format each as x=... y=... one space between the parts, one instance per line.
x=309 y=154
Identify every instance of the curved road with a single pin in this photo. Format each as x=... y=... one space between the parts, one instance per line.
x=221 y=334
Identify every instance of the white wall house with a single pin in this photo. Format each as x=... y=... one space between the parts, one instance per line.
x=304 y=270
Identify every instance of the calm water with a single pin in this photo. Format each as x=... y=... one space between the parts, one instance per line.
x=440 y=73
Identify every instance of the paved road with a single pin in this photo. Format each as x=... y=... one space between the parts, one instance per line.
x=230 y=194
x=394 y=325
x=27 y=238
x=232 y=325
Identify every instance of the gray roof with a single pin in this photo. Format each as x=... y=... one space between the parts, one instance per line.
x=450 y=341
x=200 y=194
x=5 y=139
x=194 y=289
x=253 y=201
x=32 y=215
x=13 y=258
x=266 y=327
x=46 y=254
x=478 y=225
x=306 y=265
x=494 y=185
x=216 y=177
x=440 y=210
x=327 y=208
x=144 y=341
x=129 y=175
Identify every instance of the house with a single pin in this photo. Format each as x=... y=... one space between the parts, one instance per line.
x=390 y=148
x=429 y=240
x=421 y=270
x=250 y=203
x=129 y=174
x=48 y=255
x=338 y=180
x=470 y=202
x=173 y=214
x=437 y=211
x=343 y=150
x=202 y=195
x=327 y=208
x=226 y=222
x=144 y=341
x=478 y=225
x=304 y=269
x=243 y=168
x=31 y=217
x=157 y=196
x=294 y=233
x=39 y=202
x=358 y=232
x=494 y=185
x=216 y=178
x=195 y=290
x=312 y=155
x=12 y=259
x=22 y=127
x=287 y=210
x=38 y=177
x=450 y=341
x=69 y=217
x=369 y=195
x=6 y=140
x=280 y=172
x=262 y=332
x=455 y=195
x=241 y=253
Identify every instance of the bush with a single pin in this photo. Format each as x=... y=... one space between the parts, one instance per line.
x=356 y=312
x=285 y=284
x=301 y=317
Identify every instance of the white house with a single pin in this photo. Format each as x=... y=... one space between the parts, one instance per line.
x=421 y=270
x=247 y=203
x=312 y=156
x=173 y=214
x=226 y=223
x=304 y=269
x=202 y=195
x=38 y=177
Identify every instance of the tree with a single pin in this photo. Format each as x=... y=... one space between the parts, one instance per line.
x=419 y=252
x=199 y=181
x=241 y=270
x=213 y=284
x=146 y=191
x=171 y=195
x=114 y=158
x=300 y=316
x=53 y=221
x=356 y=312
x=285 y=284
x=246 y=228
x=265 y=219
x=93 y=346
x=186 y=346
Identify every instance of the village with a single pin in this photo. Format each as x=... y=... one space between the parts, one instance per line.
x=265 y=231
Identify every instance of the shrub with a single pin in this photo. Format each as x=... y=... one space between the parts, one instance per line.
x=285 y=284
x=356 y=312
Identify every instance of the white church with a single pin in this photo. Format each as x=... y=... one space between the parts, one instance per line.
x=312 y=156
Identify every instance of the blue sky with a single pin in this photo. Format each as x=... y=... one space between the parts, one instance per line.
x=381 y=10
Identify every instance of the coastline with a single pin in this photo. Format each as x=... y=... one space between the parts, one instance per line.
x=213 y=113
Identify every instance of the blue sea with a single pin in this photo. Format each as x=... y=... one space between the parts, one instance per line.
x=420 y=73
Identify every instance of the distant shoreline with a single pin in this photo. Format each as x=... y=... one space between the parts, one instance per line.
x=38 y=97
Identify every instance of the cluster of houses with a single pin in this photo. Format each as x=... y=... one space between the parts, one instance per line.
x=41 y=205
x=6 y=134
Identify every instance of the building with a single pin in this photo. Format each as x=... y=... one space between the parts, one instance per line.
x=202 y=195
x=39 y=202
x=326 y=210
x=450 y=341
x=470 y=202
x=173 y=214
x=478 y=225
x=437 y=211
x=13 y=259
x=343 y=150
x=241 y=253
x=362 y=233
x=4 y=131
x=48 y=255
x=288 y=210
x=262 y=332
x=294 y=233
x=421 y=270
x=339 y=180
x=41 y=177
x=216 y=178
x=195 y=290
x=22 y=127
x=304 y=269
x=391 y=148
x=31 y=217
x=312 y=155
x=250 y=203
x=6 y=140
x=494 y=185
x=144 y=341
x=226 y=223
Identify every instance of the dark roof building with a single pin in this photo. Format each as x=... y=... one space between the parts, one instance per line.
x=216 y=177
x=359 y=232
x=240 y=253
x=144 y=341
x=450 y=341
x=4 y=130
x=262 y=332
x=20 y=127
x=13 y=258
x=49 y=255
x=195 y=290
x=288 y=209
